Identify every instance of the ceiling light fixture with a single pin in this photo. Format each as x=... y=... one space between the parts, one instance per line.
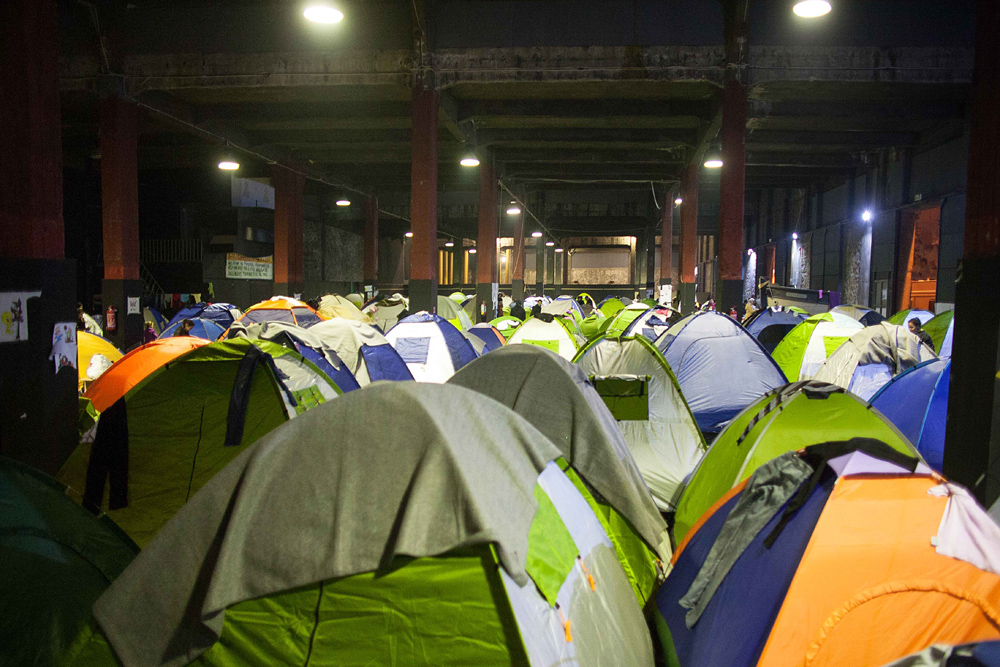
x=678 y=201
x=536 y=235
x=343 y=202
x=749 y=251
x=229 y=165
x=449 y=244
x=550 y=243
x=513 y=210
x=323 y=14
x=559 y=249
x=472 y=251
x=795 y=236
x=408 y=235
x=866 y=216
x=811 y=9
x=470 y=161
x=713 y=163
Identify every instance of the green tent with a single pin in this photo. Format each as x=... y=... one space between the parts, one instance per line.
x=904 y=316
x=625 y=317
x=57 y=558
x=594 y=325
x=184 y=422
x=506 y=325
x=611 y=306
x=789 y=418
x=636 y=383
x=558 y=334
x=804 y=349
x=470 y=546
x=554 y=396
x=940 y=329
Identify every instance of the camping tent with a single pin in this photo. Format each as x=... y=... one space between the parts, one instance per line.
x=556 y=334
x=786 y=420
x=223 y=314
x=977 y=654
x=431 y=346
x=454 y=313
x=916 y=401
x=941 y=329
x=312 y=348
x=57 y=559
x=204 y=329
x=565 y=307
x=720 y=368
x=904 y=316
x=154 y=316
x=652 y=324
x=770 y=326
x=872 y=357
x=506 y=325
x=166 y=437
x=555 y=397
x=92 y=327
x=367 y=353
x=595 y=324
x=611 y=306
x=638 y=387
x=847 y=554
x=131 y=369
x=94 y=355
x=804 y=349
x=532 y=301
x=334 y=305
x=492 y=339
x=621 y=320
x=386 y=312
x=282 y=309
x=478 y=551
x=866 y=316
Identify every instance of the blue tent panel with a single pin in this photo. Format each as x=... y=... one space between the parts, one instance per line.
x=916 y=401
x=220 y=313
x=735 y=626
x=769 y=326
x=342 y=377
x=459 y=348
x=488 y=336
x=202 y=329
x=384 y=363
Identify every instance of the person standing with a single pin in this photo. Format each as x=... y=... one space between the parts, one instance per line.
x=917 y=330
x=148 y=333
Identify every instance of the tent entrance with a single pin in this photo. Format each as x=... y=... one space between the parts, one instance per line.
x=627 y=396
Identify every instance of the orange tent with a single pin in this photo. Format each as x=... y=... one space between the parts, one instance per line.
x=131 y=369
x=282 y=309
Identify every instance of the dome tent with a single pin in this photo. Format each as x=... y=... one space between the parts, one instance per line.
x=720 y=368
x=492 y=339
x=431 y=346
x=804 y=349
x=506 y=325
x=653 y=323
x=94 y=356
x=916 y=401
x=367 y=353
x=624 y=317
x=611 y=306
x=454 y=313
x=594 y=325
x=57 y=560
x=904 y=316
x=311 y=347
x=829 y=557
x=555 y=397
x=635 y=382
x=168 y=435
x=941 y=329
x=866 y=316
x=222 y=314
x=553 y=333
x=770 y=326
x=334 y=305
x=871 y=357
x=565 y=307
x=204 y=329
x=386 y=312
x=236 y=579
x=787 y=419
x=282 y=309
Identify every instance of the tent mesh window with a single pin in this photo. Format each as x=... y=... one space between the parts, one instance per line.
x=627 y=397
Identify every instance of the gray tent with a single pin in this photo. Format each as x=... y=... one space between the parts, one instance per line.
x=447 y=535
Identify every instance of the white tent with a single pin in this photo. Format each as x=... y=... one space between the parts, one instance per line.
x=431 y=346
x=553 y=334
x=367 y=353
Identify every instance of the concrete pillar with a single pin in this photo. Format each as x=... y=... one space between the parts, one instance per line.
x=486 y=243
x=38 y=398
x=651 y=260
x=288 y=243
x=734 y=124
x=120 y=216
x=370 y=213
x=564 y=255
x=972 y=445
x=540 y=266
x=423 y=201
x=689 y=237
x=517 y=258
x=667 y=240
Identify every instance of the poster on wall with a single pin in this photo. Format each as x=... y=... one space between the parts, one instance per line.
x=249 y=268
x=14 y=315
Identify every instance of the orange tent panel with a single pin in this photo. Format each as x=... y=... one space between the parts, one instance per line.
x=871 y=588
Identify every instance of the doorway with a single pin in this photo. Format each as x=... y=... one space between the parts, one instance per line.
x=919 y=237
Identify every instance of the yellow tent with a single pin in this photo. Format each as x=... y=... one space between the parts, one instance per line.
x=334 y=305
x=94 y=355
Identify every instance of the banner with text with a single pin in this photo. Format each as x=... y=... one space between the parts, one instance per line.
x=249 y=268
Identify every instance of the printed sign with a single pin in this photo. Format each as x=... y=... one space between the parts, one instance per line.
x=14 y=315
x=249 y=268
x=133 y=305
x=64 y=345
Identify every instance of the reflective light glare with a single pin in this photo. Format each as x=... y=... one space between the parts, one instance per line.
x=472 y=251
x=550 y=243
x=469 y=162
x=559 y=249
x=810 y=9
x=749 y=251
x=408 y=235
x=323 y=14
x=229 y=165
x=449 y=244
x=536 y=235
x=866 y=216
x=343 y=202
x=678 y=201
x=513 y=210
x=795 y=236
x=713 y=163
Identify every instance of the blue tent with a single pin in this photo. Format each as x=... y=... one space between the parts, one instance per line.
x=431 y=346
x=220 y=313
x=485 y=331
x=769 y=326
x=206 y=329
x=916 y=401
x=720 y=368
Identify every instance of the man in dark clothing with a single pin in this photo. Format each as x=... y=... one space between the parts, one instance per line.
x=917 y=330
x=536 y=310
x=517 y=310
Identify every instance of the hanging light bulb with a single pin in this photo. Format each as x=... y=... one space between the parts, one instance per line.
x=513 y=210
x=536 y=235
x=811 y=9
x=323 y=14
x=550 y=243
x=408 y=235
x=469 y=161
x=229 y=165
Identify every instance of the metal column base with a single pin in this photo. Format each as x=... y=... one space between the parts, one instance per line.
x=423 y=295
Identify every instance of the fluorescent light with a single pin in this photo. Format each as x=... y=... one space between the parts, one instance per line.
x=678 y=201
x=713 y=163
x=866 y=216
x=323 y=14
x=469 y=162
x=536 y=235
x=343 y=202
x=472 y=251
x=559 y=249
x=795 y=236
x=513 y=210
x=550 y=243
x=408 y=235
x=229 y=165
x=749 y=251
x=449 y=244
x=810 y=9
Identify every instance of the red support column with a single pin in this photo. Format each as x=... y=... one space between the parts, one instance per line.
x=486 y=244
x=689 y=236
x=667 y=244
x=370 y=212
x=972 y=445
x=288 y=248
x=423 y=201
